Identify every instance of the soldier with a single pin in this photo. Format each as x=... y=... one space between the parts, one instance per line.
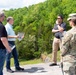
x=68 y=49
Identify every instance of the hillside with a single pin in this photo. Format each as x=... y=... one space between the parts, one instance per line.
x=36 y=22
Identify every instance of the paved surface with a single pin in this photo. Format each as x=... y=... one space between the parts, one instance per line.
x=37 y=69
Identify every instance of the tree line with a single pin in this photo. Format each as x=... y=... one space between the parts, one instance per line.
x=36 y=22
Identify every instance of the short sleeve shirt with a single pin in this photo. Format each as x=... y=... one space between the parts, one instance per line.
x=3 y=33
x=59 y=34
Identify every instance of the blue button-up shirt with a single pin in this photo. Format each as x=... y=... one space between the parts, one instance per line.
x=10 y=31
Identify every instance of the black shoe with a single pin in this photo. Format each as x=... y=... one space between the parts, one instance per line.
x=9 y=70
x=19 y=69
x=53 y=64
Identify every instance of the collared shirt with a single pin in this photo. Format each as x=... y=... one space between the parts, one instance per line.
x=59 y=34
x=3 y=33
x=10 y=31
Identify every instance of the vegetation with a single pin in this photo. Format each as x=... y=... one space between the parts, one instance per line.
x=36 y=22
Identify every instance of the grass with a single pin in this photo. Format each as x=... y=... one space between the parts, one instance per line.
x=34 y=61
x=26 y=62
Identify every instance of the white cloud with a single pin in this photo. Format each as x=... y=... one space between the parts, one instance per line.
x=7 y=4
x=30 y=2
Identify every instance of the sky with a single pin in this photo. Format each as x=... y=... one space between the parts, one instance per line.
x=8 y=4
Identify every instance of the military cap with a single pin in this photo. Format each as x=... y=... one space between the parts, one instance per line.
x=72 y=16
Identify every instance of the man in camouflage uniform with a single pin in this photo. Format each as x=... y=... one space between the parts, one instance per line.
x=68 y=49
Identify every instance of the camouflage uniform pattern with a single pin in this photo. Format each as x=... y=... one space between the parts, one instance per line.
x=68 y=51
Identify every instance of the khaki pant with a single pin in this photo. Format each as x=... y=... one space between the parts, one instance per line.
x=56 y=45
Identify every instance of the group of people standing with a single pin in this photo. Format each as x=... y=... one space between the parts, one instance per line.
x=66 y=42
x=7 y=37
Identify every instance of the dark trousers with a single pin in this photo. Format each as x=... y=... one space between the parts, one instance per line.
x=2 y=59
x=15 y=56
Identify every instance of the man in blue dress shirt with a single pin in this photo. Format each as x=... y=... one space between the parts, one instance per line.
x=11 y=39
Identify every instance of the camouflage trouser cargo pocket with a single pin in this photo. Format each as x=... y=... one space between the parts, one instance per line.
x=66 y=66
x=69 y=68
x=72 y=70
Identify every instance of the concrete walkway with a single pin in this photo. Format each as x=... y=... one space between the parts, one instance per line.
x=37 y=69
